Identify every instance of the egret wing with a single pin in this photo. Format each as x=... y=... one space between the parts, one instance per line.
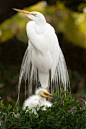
x=27 y=72
x=61 y=77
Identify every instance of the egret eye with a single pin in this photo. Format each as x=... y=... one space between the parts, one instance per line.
x=34 y=14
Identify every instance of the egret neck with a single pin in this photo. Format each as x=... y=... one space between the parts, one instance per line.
x=40 y=27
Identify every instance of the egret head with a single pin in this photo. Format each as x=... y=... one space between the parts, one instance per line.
x=37 y=17
x=43 y=93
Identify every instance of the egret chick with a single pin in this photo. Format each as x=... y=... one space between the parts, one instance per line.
x=38 y=99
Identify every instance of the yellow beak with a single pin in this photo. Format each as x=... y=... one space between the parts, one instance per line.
x=22 y=11
x=45 y=94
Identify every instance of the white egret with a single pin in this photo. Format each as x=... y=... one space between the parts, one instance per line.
x=38 y=99
x=43 y=52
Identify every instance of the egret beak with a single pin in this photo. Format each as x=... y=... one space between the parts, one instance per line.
x=22 y=11
x=45 y=94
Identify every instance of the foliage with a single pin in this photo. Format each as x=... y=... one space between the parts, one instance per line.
x=61 y=115
x=71 y=24
x=75 y=5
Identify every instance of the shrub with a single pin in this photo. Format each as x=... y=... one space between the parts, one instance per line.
x=65 y=113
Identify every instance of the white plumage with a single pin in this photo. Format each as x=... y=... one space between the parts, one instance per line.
x=44 y=53
x=37 y=99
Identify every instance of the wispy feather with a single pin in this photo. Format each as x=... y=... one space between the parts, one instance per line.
x=28 y=72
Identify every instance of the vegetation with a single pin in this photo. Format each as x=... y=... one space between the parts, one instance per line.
x=65 y=113
x=71 y=24
x=68 y=17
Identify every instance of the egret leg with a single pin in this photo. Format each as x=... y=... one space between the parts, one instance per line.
x=50 y=81
x=37 y=79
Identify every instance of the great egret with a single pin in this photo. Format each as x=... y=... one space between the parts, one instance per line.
x=43 y=52
x=38 y=99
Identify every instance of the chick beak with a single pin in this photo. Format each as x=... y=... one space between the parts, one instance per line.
x=22 y=11
x=45 y=94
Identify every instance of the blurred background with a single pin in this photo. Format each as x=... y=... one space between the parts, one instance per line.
x=68 y=17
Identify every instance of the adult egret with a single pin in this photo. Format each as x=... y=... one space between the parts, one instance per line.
x=38 y=99
x=43 y=52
